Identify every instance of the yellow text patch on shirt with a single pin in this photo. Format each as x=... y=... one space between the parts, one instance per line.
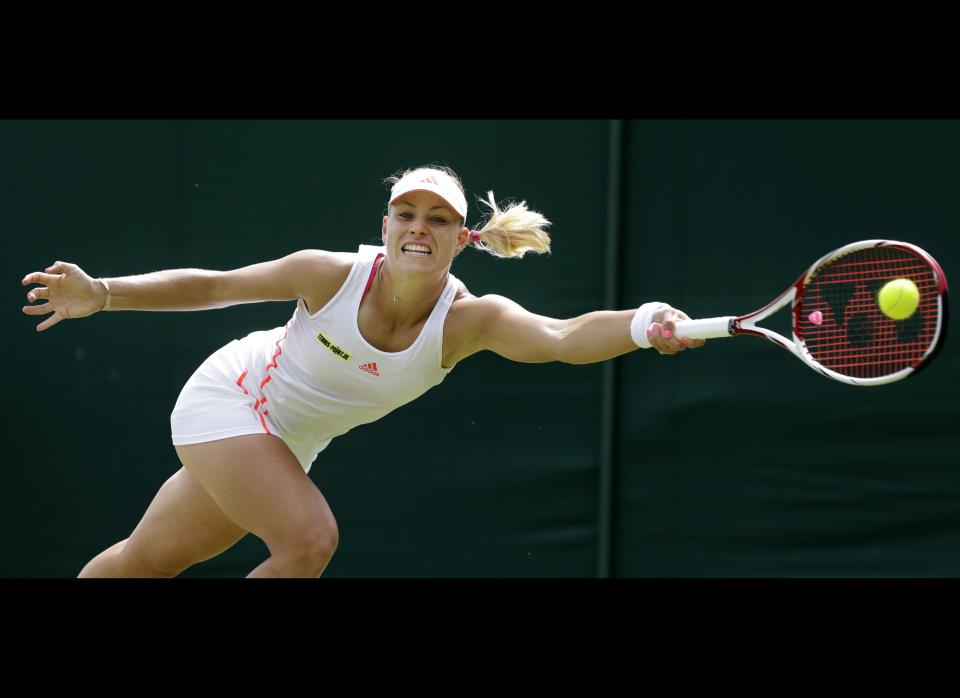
x=334 y=349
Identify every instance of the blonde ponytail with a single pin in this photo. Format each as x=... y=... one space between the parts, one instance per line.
x=507 y=233
x=513 y=231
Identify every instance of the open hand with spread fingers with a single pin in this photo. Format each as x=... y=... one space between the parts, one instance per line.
x=70 y=293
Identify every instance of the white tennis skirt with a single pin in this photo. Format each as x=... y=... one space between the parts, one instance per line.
x=217 y=402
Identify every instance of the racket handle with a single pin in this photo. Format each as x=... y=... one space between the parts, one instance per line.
x=707 y=328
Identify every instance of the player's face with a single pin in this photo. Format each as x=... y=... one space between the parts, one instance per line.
x=422 y=232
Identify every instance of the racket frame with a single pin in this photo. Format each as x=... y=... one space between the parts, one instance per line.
x=728 y=326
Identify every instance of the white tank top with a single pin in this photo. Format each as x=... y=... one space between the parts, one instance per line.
x=317 y=377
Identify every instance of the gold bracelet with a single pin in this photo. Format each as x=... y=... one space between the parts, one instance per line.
x=106 y=305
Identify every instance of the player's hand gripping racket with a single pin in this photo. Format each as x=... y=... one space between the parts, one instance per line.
x=838 y=326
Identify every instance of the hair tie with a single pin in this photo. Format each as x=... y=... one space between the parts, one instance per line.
x=474 y=236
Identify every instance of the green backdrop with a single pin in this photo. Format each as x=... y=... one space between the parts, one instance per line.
x=734 y=460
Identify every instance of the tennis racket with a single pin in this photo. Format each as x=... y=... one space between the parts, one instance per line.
x=838 y=327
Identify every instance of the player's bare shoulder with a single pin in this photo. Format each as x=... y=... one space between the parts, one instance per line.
x=465 y=321
x=300 y=274
x=320 y=274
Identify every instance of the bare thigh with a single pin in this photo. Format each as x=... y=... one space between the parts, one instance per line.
x=260 y=486
x=182 y=526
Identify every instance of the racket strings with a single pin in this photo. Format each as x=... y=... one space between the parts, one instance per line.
x=854 y=337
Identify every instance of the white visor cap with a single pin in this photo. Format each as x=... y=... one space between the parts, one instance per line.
x=438 y=183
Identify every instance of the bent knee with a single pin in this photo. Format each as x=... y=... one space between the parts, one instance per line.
x=148 y=563
x=310 y=550
x=166 y=558
x=124 y=560
x=321 y=544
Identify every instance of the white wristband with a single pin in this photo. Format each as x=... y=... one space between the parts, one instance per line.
x=642 y=319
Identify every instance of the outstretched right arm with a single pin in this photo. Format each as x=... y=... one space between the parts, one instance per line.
x=71 y=293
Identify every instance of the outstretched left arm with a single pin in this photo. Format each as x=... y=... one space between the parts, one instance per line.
x=500 y=325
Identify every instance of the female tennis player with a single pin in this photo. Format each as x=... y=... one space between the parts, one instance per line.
x=371 y=331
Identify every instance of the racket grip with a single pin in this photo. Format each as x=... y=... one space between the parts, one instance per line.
x=707 y=328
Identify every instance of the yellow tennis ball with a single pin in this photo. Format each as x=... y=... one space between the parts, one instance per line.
x=898 y=299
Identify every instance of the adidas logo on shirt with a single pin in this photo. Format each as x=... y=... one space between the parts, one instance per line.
x=370 y=368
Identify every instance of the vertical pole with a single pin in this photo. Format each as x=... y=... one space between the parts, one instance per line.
x=608 y=393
